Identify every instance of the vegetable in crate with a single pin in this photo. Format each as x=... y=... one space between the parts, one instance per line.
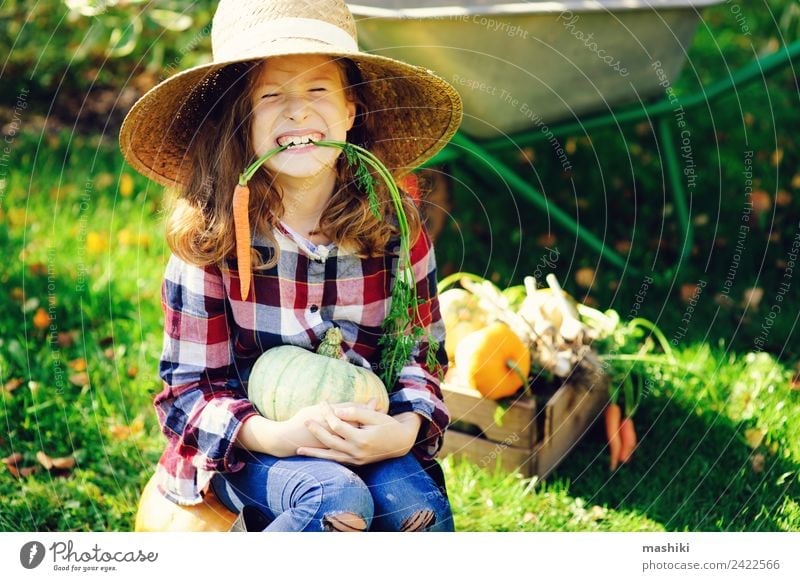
x=628 y=349
x=494 y=361
x=286 y=379
x=461 y=315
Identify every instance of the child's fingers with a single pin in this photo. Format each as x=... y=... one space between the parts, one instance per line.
x=340 y=427
x=362 y=415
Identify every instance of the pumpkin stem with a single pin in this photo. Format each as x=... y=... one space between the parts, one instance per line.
x=512 y=365
x=331 y=345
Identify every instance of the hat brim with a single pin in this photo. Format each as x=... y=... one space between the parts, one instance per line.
x=417 y=111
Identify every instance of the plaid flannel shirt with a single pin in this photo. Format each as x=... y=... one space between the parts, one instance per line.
x=212 y=338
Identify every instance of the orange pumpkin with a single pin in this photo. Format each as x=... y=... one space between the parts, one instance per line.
x=461 y=314
x=157 y=514
x=494 y=361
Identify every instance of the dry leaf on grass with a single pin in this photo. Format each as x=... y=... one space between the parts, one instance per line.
x=123 y=432
x=12 y=384
x=63 y=463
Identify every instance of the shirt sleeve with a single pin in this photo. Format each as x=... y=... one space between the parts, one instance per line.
x=417 y=389
x=203 y=404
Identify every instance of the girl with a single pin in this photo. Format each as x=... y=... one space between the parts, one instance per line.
x=329 y=248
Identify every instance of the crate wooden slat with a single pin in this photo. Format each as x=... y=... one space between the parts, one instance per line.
x=568 y=415
x=534 y=446
x=467 y=405
x=486 y=453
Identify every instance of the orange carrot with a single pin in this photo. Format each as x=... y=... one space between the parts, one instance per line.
x=627 y=436
x=613 y=416
x=241 y=224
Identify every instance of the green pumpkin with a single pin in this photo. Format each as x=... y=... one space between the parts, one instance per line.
x=286 y=379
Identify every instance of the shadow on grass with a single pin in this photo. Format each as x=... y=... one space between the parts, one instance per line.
x=692 y=471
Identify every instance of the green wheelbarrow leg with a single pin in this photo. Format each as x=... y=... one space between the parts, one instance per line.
x=676 y=185
x=534 y=196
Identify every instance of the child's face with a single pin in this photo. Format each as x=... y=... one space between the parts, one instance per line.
x=299 y=99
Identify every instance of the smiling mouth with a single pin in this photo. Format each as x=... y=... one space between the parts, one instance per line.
x=293 y=141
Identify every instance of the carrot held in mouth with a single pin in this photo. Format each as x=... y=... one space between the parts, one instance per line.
x=241 y=224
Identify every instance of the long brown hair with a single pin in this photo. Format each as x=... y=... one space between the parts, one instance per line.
x=199 y=227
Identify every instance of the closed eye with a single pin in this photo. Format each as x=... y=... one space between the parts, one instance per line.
x=270 y=95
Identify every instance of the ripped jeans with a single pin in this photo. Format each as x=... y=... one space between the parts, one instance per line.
x=310 y=494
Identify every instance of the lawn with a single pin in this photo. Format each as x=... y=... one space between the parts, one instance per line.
x=80 y=325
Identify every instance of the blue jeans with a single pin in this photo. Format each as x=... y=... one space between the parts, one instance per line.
x=311 y=494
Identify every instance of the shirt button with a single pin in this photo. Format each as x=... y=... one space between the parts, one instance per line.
x=314 y=308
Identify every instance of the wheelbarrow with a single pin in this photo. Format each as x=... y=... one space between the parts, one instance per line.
x=538 y=71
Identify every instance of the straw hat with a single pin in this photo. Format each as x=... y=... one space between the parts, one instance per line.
x=417 y=111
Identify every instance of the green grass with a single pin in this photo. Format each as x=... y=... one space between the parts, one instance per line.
x=96 y=269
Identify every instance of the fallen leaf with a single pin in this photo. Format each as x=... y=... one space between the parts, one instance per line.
x=752 y=296
x=79 y=379
x=126 y=185
x=41 y=320
x=65 y=339
x=96 y=243
x=123 y=432
x=37 y=268
x=622 y=246
x=44 y=460
x=19 y=472
x=12 y=384
x=688 y=292
x=754 y=437
x=758 y=462
x=783 y=198
x=15 y=459
x=527 y=155
x=547 y=240
x=103 y=180
x=776 y=157
x=585 y=276
x=761 y=201
x=78 y=364
x=62 y=463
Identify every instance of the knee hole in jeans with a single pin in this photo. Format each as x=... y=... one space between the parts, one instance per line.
x=344 y=522
x=418 y=521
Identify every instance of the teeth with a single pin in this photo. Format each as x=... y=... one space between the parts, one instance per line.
x=297 y=140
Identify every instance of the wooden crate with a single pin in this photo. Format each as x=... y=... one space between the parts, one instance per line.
x=532 y=439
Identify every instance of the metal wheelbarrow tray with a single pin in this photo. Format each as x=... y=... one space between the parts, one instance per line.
x=521 y=65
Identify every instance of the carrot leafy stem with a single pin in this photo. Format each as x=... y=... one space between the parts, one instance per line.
x=402 y=327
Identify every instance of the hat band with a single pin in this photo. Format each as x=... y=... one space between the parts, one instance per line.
x=284 y=29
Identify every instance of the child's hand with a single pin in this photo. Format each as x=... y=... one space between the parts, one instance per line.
x=359 y=435
x=294 y=432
